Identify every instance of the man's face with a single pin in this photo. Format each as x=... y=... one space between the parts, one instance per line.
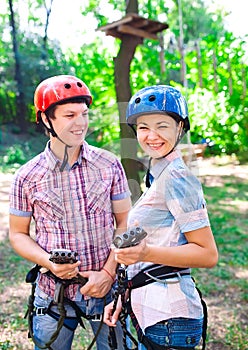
x=71 y=123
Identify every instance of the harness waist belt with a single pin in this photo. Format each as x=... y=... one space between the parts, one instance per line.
x=155 y=272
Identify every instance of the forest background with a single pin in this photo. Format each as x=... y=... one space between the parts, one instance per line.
x=197 y=54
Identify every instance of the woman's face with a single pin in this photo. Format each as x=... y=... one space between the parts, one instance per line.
x=157 y=134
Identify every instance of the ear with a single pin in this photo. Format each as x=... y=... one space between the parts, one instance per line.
x=180 y=131
x=44 y=119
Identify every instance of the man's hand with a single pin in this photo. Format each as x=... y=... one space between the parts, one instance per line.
x=98 y=285
x=65 y=263
x=65 y=271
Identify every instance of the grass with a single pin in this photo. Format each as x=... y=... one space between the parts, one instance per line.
x=227 y=283
x=224 y=287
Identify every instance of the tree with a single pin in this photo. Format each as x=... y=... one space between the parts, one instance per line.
x=21 y=108
x=123 y=94
x=130 y=39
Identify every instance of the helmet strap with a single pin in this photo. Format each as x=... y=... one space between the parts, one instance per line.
x=65 y=160
x=51 y=129
x=54 y=134
x=148 y=182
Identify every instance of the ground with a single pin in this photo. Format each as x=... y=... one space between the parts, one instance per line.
x=221 y=311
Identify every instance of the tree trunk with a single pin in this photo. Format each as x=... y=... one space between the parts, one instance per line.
x=123 y=94
x=199 y=63
x=44 y=53
x=21 y=108
x=215 y=71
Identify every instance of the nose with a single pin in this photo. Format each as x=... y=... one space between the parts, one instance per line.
x=152 y=134
x=80 y=119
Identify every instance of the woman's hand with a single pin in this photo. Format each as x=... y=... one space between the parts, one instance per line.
x=109 y=317
x=128 y=256
x=199 y=252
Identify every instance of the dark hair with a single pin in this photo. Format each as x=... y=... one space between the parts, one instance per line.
x=50 y=111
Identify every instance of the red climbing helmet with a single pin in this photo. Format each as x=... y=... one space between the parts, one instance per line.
x=59 y=88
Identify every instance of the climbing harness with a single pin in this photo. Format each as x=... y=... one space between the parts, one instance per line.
x=59 y=300
x=150 y=274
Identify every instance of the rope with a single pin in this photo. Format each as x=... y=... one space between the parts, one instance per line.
x=120 y=291
x=30 y=314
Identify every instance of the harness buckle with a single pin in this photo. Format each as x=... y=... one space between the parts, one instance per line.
x=40 y=311
x=96 y=318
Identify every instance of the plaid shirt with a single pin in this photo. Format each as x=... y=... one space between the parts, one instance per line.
x=71 y=209
x=174 y=204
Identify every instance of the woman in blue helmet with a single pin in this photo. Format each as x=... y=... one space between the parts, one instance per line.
x=167 y=310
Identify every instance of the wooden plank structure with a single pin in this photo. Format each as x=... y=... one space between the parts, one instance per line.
x=133 y=24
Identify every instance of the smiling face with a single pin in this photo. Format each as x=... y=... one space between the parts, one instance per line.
x=157 y=134
x=70 y=122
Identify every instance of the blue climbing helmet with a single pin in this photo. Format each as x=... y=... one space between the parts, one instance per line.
x=161 y=99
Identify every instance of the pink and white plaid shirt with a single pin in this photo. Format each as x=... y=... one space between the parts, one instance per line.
x=71 y=209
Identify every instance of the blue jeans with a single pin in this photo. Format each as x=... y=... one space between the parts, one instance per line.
x=44 y=325
x=181 y=332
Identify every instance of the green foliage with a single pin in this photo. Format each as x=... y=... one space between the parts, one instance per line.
x=6 y=345
x=104 y=129
x=215 y=64
x=14 y=155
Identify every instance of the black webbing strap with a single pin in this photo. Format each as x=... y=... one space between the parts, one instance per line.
x=120 y=292
x=31 y=312
x=155 y=272
x=205 y=319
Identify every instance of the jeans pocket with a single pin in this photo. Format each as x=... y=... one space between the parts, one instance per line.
x=185 y=332
x=180 y=332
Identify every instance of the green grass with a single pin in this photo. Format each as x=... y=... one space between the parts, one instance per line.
x=13 y=267
x=228 y=212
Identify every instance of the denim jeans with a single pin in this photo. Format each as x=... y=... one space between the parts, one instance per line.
x=44 y=326
x=181 y=332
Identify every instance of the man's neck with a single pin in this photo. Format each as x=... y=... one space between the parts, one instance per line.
x=58 y=149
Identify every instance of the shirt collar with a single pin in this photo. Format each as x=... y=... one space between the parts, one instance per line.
x=54 y=162
x=158 y=168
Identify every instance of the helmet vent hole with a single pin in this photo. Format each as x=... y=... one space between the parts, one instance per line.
x=152 y=98
x=67 y=86
x=138 y=99
x=79 y=84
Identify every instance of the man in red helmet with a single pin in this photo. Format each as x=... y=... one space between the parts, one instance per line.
x=76 y=195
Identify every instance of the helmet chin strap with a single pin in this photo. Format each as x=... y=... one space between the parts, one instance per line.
x=54 y=134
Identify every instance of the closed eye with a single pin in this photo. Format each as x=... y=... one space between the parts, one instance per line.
x=142 y=128
x=163 y=127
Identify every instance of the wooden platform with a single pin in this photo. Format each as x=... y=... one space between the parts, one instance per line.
x=136 y=25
